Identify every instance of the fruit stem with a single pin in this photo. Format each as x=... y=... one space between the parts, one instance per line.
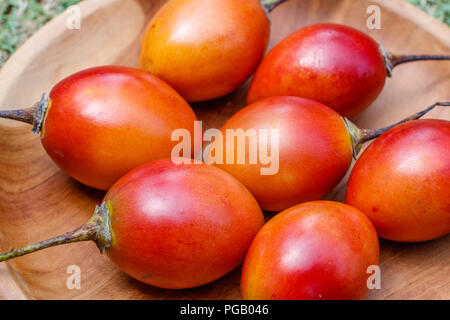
x=269 y=5
x=392 y=60
x=360 y=136
x=96 y=229
x=34 y=115
x=397 y=59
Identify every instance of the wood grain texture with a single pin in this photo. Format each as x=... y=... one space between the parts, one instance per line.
x=37 y=200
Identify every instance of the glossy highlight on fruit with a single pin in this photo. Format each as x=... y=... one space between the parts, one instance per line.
x=334 y=64
x=171 y=226
x=205 y=49
x=102 y=122
x=312 y=251
x=402 y=181
x=315 y=151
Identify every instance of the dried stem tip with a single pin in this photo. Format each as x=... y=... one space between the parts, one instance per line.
x=360 y=136
x=34 y=115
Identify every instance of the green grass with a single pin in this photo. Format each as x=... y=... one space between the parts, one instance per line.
x=439 y=9
x=19 y=19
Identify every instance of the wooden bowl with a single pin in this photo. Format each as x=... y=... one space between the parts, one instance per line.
x=38 y=200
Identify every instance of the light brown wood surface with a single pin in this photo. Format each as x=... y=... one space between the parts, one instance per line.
x=38 y=200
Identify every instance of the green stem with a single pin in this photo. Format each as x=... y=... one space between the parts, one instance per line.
x=360 y=136
x=84 y=233
x=34 y=115
x=96 y=229
x=269 y=5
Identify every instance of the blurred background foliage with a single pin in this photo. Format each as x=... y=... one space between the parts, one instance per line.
x=440 y=9
x=19 y=19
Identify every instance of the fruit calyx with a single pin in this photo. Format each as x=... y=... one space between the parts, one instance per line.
x=360 y=136
x=101 y=221
x=97 y=229
x=392 y=60
x=34 y=115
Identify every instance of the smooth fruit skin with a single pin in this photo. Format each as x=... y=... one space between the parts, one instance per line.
x=336 y=65
x=315 y=250
x=205 y=49
x=180 y=226
x=315 y=151
x=402 y=181
x=106 y=121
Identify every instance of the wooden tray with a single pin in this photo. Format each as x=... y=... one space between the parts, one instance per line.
x=37 y=200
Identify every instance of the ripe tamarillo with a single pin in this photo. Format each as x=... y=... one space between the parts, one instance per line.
x=312 y=251
x=170 y=226
x=334 y=64
x=402 y=181
x=206 y=48
x=102 y=122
